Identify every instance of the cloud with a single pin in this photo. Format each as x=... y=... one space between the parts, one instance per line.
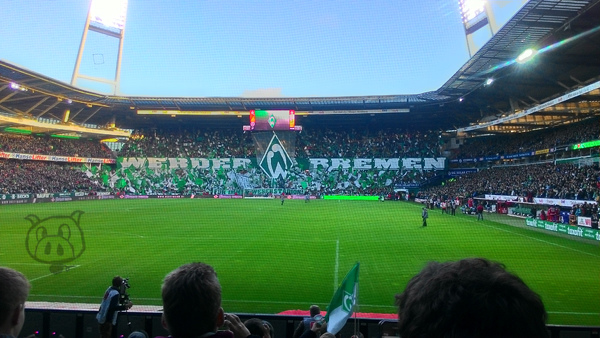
x=263 y=92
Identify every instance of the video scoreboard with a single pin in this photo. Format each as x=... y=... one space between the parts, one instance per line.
x=264 y=120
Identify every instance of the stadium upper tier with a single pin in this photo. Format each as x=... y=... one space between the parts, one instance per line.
x=565 y=34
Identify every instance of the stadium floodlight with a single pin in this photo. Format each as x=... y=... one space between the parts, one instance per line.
x=16 y=86
x=470 y=9
x=110 y=13
x=105 y=17
x=527 y=55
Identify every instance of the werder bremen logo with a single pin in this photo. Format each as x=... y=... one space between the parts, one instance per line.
x=276 y=162
x=348 y=301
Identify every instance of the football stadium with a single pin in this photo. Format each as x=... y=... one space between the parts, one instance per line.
x=295 y=195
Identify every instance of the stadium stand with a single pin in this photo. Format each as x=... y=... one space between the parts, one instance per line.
x=536 y=140
x=320 y=142
x=564 y=181
x=20 y=176
x=46 y=145
x=549 y=180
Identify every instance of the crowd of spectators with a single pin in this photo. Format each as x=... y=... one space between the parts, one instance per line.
x=587 y=130
x=46 y=145
x=385 y=143
x=189 y=143
x=17 y=176
x=188 y=181
x=314 y=143
x=560 y=181
x=319 y=143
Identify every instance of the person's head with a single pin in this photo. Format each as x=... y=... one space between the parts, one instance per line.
x=258 y=327
x=117 y=281
x=14 y=289
x=314 y=310
x=191 y=296
x=469 y=298
x=138 y=334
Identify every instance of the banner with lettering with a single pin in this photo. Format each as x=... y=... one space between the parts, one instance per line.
x=539 y=200
x=54 y=158
x=328 y=164
x=570 y=230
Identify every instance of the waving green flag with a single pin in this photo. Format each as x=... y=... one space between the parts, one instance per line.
x=342 y=303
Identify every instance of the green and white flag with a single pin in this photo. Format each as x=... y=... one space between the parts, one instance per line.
x=342 y=303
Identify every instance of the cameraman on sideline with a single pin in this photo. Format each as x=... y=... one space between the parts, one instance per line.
x=110 y=307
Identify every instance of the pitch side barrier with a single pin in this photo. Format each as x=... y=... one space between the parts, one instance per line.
x=82 y=323
x=50 y=323
x=571 y=230
x=82 y=196
x=54 y=197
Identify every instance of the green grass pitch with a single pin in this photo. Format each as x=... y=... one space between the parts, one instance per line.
x=272 y=258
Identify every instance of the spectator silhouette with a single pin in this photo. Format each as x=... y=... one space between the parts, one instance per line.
x=469 y=298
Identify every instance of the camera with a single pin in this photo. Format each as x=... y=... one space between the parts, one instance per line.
x=123 y=295
x=319 y=319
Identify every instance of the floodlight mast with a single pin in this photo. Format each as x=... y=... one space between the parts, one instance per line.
x=476 y=14
x=106 y=17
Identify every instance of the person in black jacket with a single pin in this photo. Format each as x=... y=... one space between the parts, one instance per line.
x=191 y=296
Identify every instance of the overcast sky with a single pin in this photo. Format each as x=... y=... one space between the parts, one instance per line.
x=255 y=48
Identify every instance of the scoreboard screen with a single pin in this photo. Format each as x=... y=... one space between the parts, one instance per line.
x=272 y=120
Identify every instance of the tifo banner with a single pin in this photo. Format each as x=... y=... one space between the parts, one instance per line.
x=276 y=162
x=324 y=163
x=571 y=230
x=52 y=158
x=380 y=163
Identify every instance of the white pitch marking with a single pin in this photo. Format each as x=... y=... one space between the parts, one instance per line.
x=52 y=274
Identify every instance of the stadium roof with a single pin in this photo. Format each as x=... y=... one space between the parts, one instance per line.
x=565 y=32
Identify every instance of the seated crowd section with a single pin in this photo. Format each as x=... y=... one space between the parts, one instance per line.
x=565 y=181
x=311 y=143
x=560 y=181
x=45 y=145
x=536 y=140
